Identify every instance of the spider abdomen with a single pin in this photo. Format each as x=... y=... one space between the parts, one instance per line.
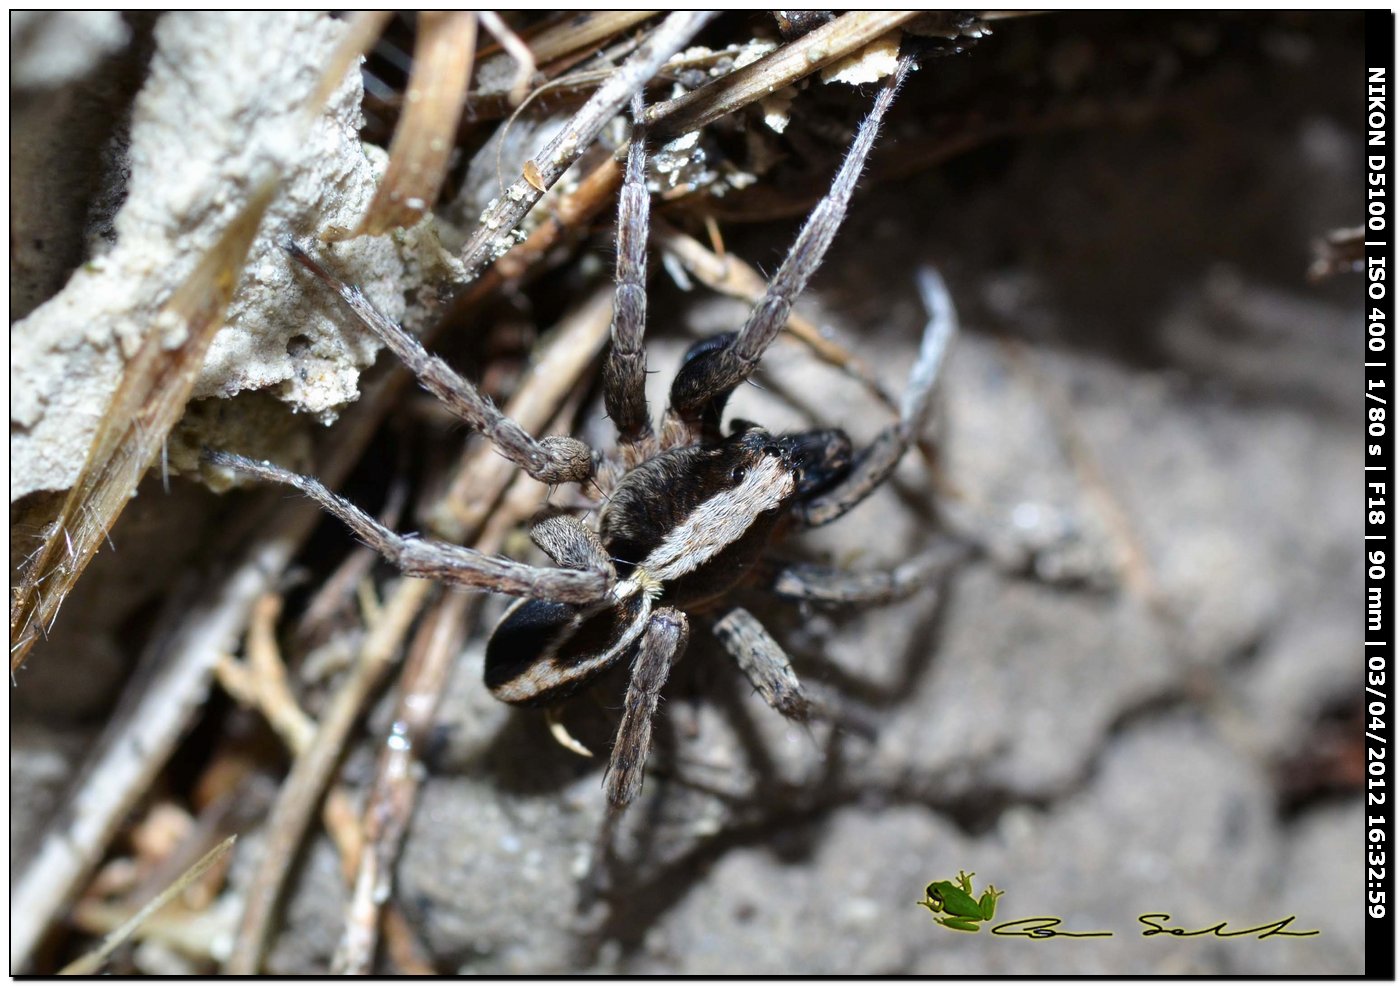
x=544 y=651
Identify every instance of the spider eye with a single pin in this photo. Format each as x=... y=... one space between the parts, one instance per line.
x=738 y=474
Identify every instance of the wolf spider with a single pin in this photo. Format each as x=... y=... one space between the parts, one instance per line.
x=688 y=511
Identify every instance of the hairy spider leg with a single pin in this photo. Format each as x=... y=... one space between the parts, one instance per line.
x=439 y=560
x=662 y=645
x=625 y=371
x=713 y=374
x=552 y=460
x=765 y=664
x=821 y=584
x=876 y=461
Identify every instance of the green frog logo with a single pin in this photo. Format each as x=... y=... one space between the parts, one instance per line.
x=953 y=905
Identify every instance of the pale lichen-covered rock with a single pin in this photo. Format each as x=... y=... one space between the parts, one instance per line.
x=50 y=48
x=221 y=106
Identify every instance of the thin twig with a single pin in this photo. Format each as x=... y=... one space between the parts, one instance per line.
x=423 y=138
x=499 y=220
x=269 y=674
x=577 y=31
x=301 y=792
x=593 y=194
x=516 y=49
x=92 y=961
x=809 y=53
x=390 y=803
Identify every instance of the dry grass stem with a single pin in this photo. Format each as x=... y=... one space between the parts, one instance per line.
x=269 y=675
x=498 y=222
x=578 y=31
x=370 y=607
x=234 y=677
x=556 y=48
x=149 y=400
x=516 y=50
x=363 y=28
x=91 y=962
x=423 y=139
x=809 y=53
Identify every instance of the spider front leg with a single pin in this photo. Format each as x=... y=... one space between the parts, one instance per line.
x=708 y=377
x=552 y=460
x=625 y=371
x=875 y=462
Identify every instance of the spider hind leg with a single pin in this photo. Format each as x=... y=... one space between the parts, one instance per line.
x=542 y=652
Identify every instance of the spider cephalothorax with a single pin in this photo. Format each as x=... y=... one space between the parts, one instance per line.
x=680 y=530
x=688 y=509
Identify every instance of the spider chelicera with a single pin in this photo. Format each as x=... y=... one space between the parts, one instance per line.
x=688 y=510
